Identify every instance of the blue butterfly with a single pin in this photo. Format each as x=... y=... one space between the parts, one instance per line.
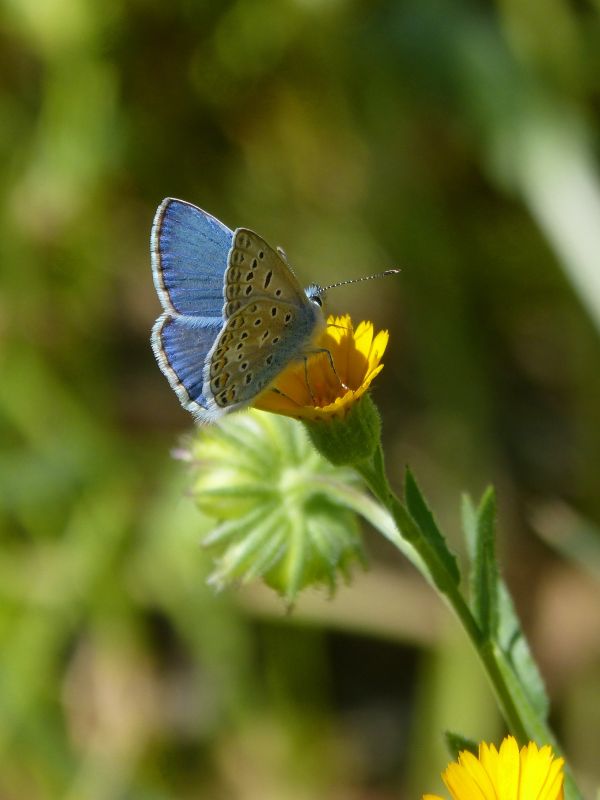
x=234 y=314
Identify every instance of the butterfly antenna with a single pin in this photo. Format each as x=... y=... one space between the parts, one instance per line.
x=358 y=280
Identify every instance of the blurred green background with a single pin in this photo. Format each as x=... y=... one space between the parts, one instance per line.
x=458 y=140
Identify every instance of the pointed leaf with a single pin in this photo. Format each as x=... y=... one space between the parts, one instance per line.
x=484 y=570
x=516 y=649
x=492 y=604
x=534 y=723
x=469 y=525
x=419 y=511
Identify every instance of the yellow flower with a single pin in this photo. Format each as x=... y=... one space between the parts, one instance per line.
x=508 y=774
x=314 y=391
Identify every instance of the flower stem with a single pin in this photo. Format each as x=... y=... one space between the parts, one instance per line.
x=521 y=718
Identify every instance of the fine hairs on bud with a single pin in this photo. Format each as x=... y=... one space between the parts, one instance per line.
x=383 y=274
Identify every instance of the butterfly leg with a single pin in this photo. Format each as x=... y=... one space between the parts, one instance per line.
x=339 y=327
x=308 y=386
x=287 y=397
x=331 y=364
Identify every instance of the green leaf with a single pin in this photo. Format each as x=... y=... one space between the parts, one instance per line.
x=492 y=604
x=516 y=649
x=484 y=569
x=457 y=743
x=469 y=525
x=421 y=514
x=534 y=725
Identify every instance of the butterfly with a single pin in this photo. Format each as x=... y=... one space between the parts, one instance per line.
x=234 y=314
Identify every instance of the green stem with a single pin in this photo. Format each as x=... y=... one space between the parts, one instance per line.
x=521 y=719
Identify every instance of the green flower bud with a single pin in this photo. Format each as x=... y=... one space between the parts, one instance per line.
x=275 y=501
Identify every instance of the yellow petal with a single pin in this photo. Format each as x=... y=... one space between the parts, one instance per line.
x=378 y=347
x=367 y=381
x=509 y=763
x=461 y=784
x=363 y=338
x=479 y=774
x=553 y=788
x=488 y=755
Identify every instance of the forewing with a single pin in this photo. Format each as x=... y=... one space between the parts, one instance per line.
x=256 y=271
x=189 y=258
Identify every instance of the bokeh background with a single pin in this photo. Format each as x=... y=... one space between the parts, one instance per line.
x=458 y=139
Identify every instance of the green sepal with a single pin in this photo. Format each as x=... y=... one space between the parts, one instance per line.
x=322 y=543
x=350 y=440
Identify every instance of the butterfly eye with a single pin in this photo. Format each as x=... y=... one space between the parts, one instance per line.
x=317 y=300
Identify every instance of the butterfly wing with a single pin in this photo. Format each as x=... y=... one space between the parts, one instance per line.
x=189 y=251
x=268 y=322
x=189 y=257
x=180 y=345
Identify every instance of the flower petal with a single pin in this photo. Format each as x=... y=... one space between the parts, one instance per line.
x=461 y=784
x=479 y=774
x=328 y=383
x=378 y=347
x=489 y=757
x=509 y=770
x=363 y=338
x=507 y=773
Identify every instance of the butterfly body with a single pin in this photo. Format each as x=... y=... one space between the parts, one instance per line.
x=234 y=314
